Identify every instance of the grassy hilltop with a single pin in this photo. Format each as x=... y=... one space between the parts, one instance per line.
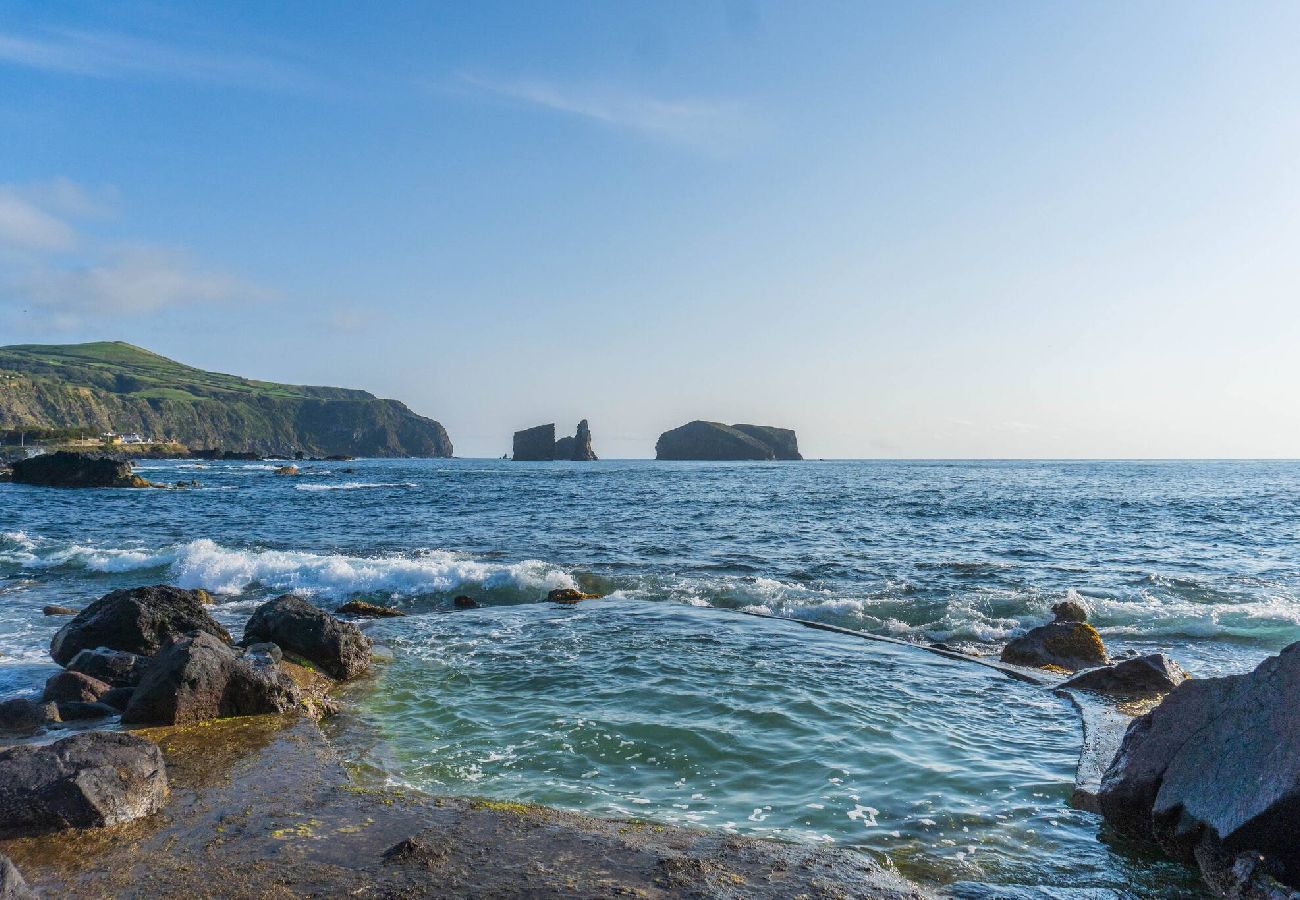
x=112 y=385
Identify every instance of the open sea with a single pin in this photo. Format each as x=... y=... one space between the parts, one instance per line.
x=662 y=700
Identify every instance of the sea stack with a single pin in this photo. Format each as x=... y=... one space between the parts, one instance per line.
x=701 y=440
x=535 y=444
x=578 y=447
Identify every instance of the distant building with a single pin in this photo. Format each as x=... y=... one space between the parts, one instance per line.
x=133 y=438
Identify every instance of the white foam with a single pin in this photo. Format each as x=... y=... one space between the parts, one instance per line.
x=354 y=485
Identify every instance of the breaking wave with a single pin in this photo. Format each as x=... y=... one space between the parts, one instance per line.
x=355 y=486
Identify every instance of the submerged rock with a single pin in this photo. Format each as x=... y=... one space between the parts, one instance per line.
x=58 y=611
x=78 y=710
x=535 y=444
x=91 y=779
x=700 y=440
x=362 y=608
x=199 y=677
x=25 y=714
x=1213 y=772
x=76 y=470
x=1140 y=676
x=67 y=687
x=116 y=667
x=338 y=648
x=464 y=602
x=568 y=596
x=1063 y=645
x=137 y=620
x=286 y=470
x=12 y=885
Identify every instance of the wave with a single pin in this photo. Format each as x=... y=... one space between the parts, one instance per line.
x=355 y=486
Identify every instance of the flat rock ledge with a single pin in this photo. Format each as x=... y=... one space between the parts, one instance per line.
x=262 y=806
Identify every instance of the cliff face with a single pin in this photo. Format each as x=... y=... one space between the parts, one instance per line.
x=535 y=444
x=117 y=387
x=715 y=441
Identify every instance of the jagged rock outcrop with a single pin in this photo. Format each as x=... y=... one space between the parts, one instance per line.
x=700 y=440
x=535 y=444
x=116 y=667
x=1141 y=676
x=76 y=470
x=113 y=386
x=88 y=780
x=198 y=678
x=577 y=448
x=136 y=620
x=1212 y=772
x=338 y=648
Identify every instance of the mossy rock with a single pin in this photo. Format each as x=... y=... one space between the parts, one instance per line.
x=1065 y=645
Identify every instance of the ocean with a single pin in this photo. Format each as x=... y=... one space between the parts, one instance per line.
x=662 y=700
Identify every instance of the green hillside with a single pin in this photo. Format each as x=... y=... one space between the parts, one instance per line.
x=115 y=386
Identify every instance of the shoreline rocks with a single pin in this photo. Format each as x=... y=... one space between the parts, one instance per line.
x=296 y=626
x=371 y=610
x=76 y=470
x=701 y=440
x=12 y=885
x=1138 y=677
x=116 y=667
x=91 y=779
x=1069 y=643
x=1212 y=772
x=136 y=620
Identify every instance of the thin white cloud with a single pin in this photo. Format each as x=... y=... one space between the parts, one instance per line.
x=101 y=54
x=60 y=276
x=702 y=124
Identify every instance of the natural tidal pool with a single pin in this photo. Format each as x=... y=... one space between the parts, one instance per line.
x=715 y=719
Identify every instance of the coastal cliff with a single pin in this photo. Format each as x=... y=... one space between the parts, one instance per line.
x=701 y=440
x=114 y=386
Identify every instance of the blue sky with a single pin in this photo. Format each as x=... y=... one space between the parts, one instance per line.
x=904 y=229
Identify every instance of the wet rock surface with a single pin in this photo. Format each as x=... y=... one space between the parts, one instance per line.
x=264 y=808
x=76 y=470
x=136 y=620
x=298 y=627
x=1212 y=771
x=1070 y=646
x=201 y=677
x=371 y=610
x=90 y=779
x=66 y=687
x=116 y=667
x=1141 y=676
x=19 y=715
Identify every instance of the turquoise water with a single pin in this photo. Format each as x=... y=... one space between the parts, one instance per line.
x=662 y=701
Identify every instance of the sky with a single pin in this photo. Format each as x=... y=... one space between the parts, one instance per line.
x=1002 y=229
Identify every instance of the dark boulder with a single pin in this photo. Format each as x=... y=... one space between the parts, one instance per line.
x=91 y=779
x=715 y=441
x=26 y=714
x=1070 y=611
x=118 y=698
x=137 y=620
x=338 y=648
x=116 y=667
x=12 y=885
x=1140 y=676
x=535 y=444
x=58 y=611
x=568 y=596
x=199 y=677
x=78 y=710
x=77 y=470
x=1213 y=772
x=371 y=610
x=464 y=602
x=1061 y=645
x=68 y=687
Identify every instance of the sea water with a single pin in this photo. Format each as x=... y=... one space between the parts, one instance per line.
x=663 y=701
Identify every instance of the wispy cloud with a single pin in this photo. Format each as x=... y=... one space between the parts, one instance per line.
x=101 y=54
x=55 y=273
x=697 y=123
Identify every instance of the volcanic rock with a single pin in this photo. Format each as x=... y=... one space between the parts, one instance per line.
x=578 y=447
x=199 y=677
x=700 y=440
x=76 y=710
x=1140 y=676
x=137 y=620
x=1064 y=645
x=58 y=611
x=374 y=611
x=535 y=444
x=1212 y=772
x=25 y=714
x=12 y=886
x=66 y=687
x=90 y=779
x=117 y=667
x=338 y=648
x=76 y=470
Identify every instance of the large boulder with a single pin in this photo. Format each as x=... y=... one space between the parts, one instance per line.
x=90 y=779
x=12 y=885
x=78 y=470
x=1060 y=645
x=1141 y=676
x=1213 y=771
x=73 y=687
x=535 y=444
x=26 y=714
x=137 y=620
x=716 y=441
x=200 y=677
x=115 y=667
x=337 y=648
